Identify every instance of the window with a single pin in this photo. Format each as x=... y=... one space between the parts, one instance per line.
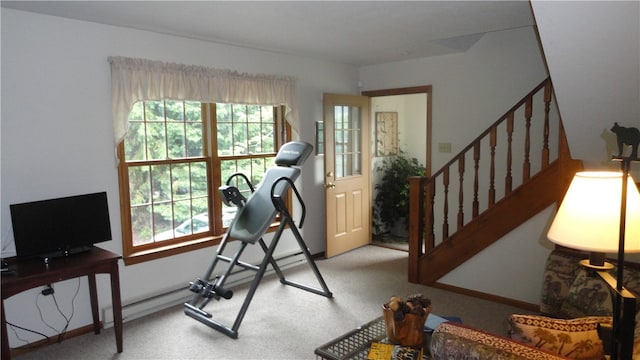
x=347 y=135
x=174 y=157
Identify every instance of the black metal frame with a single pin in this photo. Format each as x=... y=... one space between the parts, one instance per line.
x=624 y=304
x=206 y=290
x=624 y=314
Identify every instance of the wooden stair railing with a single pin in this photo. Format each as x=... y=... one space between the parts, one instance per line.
x=450 y=193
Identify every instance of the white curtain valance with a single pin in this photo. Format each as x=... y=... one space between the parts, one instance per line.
x=134 y=80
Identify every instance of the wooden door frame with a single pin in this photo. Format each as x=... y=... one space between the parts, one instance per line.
x=426 y=89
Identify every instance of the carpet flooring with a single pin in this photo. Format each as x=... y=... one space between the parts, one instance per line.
x=282 y=322
x=390 y=241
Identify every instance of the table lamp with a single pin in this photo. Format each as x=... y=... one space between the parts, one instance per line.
x=600 y=213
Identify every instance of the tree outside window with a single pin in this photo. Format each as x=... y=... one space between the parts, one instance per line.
x=174 y=157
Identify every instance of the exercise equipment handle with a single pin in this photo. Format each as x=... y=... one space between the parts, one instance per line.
x=279 y=204
x=246 y=180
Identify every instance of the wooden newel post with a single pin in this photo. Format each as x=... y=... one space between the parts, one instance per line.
x=416 y=224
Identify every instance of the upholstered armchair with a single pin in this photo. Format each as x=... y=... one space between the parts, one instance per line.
x=573 y=302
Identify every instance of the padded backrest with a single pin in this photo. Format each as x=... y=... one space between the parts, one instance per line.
x=253 y=219
x=293 y=153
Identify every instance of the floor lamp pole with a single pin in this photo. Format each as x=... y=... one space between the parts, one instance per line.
x=626 y=167
x=624 y=305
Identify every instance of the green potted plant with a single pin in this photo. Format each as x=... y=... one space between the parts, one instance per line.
x=391 y=204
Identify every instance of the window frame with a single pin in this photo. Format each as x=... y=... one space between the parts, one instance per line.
x=146 y=252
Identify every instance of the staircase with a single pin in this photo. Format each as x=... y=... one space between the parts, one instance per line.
x=490 y=187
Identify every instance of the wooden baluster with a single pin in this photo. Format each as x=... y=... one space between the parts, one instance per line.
x=563 y=146
x=526 y=169
x=421 y=215
x=431 y=195
x=476 y=165
x=461 y=191
x=417 y=200
x=547 y=106
x=430 y=185
x=493 y=138
x=445 y=223
x=508 y=178
x=416 y=224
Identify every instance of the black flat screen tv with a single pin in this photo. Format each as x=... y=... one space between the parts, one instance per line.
x=61 y=226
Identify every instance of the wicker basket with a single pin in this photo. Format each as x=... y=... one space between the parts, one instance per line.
x=408 y=331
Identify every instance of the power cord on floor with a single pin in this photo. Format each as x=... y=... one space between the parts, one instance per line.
x=61 y=333
x=14 y=326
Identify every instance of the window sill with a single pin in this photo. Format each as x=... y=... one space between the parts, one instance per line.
x=138 y=257
x=170 y=250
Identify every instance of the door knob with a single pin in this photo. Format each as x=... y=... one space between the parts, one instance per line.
x=330 y=185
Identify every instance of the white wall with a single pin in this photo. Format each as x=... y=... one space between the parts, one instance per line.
x=411 y=127
x=470 y=91
x=57 y=137
x=593 y=53
x=596 y=74
x=412 y=123
x=414 y=128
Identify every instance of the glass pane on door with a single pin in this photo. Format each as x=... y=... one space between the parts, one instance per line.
x=348 y=141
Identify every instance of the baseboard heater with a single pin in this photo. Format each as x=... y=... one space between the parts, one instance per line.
x=179 y=294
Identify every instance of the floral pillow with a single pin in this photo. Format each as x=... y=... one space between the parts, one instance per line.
x=575 y=338
x=456 y=341
x=588 y=296
x=560 y=272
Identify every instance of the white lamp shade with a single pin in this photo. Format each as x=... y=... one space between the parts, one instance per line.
x=589 y=216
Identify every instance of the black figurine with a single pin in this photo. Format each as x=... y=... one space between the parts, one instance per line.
x=628 y=136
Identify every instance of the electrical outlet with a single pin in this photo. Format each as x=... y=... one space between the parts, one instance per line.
x=48 y=290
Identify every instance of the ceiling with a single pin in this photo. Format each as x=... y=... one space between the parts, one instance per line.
x=351 y=32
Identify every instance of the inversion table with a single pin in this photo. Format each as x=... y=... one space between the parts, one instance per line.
x=252 y=219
